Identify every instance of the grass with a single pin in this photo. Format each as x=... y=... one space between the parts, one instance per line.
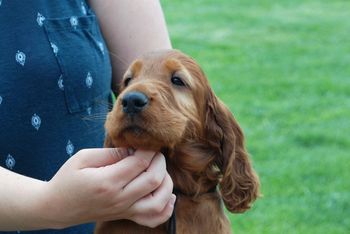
x=283 y=68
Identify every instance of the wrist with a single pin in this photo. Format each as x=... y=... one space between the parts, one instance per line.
x=22 y=203
x=41 y=207
x=49 y=207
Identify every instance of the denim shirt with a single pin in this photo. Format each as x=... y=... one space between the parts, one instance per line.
x=55 y=85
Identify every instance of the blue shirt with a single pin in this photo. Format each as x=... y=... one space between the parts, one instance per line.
x=55 y=80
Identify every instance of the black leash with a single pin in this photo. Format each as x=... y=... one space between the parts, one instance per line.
x=172 y=220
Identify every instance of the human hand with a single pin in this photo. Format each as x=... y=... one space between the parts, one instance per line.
x=108 y=184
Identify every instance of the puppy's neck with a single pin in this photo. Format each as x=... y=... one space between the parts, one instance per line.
x=191 y=167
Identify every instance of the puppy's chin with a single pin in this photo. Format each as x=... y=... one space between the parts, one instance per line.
x=137 y=138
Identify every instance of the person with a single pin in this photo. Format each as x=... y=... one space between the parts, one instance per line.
x=56 y=72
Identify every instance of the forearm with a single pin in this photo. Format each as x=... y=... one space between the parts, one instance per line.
x=130 y=28
x=22 y=203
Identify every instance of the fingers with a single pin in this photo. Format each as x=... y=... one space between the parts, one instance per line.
x=152 y=220
x=129 y=168
x=148 y=180
x=156 y=201
x=94 y=158
x=157 y=207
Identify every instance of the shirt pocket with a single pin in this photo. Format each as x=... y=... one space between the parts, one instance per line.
x=83 y=59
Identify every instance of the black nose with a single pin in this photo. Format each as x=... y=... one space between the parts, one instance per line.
x=134 y=102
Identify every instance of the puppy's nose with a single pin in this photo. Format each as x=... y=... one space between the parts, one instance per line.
x=134 y=102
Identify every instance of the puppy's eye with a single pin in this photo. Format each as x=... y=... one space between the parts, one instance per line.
x=177 y=81
x=127 y=81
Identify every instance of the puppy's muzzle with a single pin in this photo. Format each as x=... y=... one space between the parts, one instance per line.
x=134 y=102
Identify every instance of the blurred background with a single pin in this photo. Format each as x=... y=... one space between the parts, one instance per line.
x=283 y=68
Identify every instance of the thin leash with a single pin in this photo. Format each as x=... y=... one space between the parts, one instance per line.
x=172 y=220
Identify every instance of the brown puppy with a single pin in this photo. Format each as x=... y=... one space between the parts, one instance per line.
x=166 y=104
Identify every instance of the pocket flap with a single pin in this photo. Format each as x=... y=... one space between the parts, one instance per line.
x=82 y=56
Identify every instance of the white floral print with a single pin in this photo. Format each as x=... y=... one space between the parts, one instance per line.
x=88 y=80
x=36 y=121
x=54 y=48
x=83 y=8
x=60 y=83
x=70 y=148
x=40 y=19
x=88 y=110
x=100 y=45
x=20 y=57
x=73 y=21
x=10 y=162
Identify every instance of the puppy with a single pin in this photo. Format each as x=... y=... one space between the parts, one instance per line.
x=166 y=104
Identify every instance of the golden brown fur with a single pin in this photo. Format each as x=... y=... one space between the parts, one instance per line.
x=202 y=142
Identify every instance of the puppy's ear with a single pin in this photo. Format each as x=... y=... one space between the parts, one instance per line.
x=239 y=184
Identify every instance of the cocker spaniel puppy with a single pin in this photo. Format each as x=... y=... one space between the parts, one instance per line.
x=166 y=104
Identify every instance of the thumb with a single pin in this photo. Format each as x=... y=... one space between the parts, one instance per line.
x=99 y=157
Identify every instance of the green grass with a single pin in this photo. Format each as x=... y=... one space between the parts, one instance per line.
x=283 y=68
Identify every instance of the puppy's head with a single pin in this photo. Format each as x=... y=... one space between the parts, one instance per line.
x=156 y=106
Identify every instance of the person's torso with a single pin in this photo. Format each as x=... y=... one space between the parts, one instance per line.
x=55 y=80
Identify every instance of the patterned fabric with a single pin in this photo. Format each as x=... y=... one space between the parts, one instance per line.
x=55 y=80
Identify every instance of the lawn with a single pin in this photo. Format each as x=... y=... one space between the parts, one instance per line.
x=283 y=68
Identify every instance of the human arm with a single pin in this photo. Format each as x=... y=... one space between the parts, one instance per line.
x=95 y=184
x=130 y=29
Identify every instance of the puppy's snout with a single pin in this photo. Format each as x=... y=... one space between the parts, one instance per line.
x=134 y=102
